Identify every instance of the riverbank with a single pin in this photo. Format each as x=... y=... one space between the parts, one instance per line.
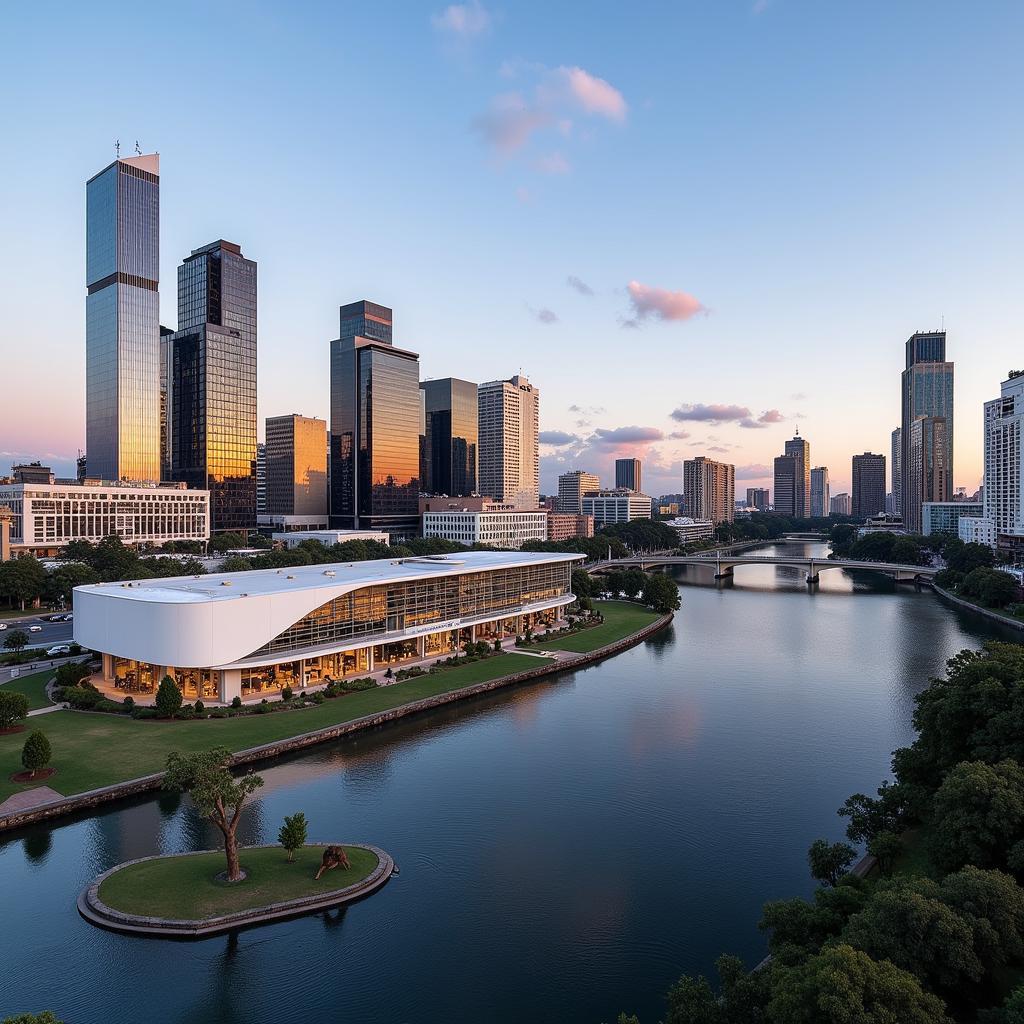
x=989 y=613
x=107 y=757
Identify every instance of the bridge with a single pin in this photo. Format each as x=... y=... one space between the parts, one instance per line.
x=724 y=565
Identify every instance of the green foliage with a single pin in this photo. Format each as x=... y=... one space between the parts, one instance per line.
x=978 y=815
x=287 y=693
x=71 y=673
x=13 y=708
x=842 y=985
x=948 y=579
x=355 y=685
x=168 y=698
x=46 y=1017
x=964 y=558
x=1011 y=1012
x=740 y=998
x=885 y=847
x=81 y=698
x=36 y=753
x=226 y=542
x=830 y=861
x=292 y=835
x=870 y=816
x=62 y=580
x=640 y=535
x=16 y=639
x=22 y=580
x=881 y=546
x=661 y=593
x=799 y=928
x=991 y=587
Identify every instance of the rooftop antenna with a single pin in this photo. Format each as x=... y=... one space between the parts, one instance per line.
x=117 y=149
x=138 y=152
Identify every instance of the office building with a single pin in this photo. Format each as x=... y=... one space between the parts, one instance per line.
x=563 y=525
x=839 y=504
x=977 y=530
x=212 y=389
x=494 y=525
x=250 y=634
x=1004 y=464
x=296 y=466
x=509 y=459
x=759 y=498
x=376 y=412
x=618 y=506
x=122 y=327
x=31 y=473
x=896 y=471
x=571 y=489
x=709 y=489
x=927 y=390
x=47 y=517
x=628 y=474
x=820 y=507
x=450 y=432
x=868 y=486
x=293 y=538
x=5 y=533
x=945 y=516
x=792 y=489
x=925 y=475
x=261 y=480
x=690 y=530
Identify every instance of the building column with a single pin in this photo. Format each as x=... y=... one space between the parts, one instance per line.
x=421 y=646
x=108 y=668
x=369 y=658
x=302 y=673
x=230 y=685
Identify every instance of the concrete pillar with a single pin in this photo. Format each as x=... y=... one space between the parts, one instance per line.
x=421 y=646
x=369 y=658
x=108 y=668
x=230 y=684
x=302 y=673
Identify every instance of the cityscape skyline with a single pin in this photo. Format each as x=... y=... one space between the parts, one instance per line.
x=544 y=301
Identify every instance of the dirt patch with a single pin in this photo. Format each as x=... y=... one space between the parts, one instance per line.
x=13 y=729
x=40 y=776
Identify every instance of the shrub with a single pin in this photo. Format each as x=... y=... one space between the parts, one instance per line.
x=286 y=693
x=363 y=683
x=110 y=707
x=331 y=689
x=292 y=835
x=185 y=713
x=236 y=702
x=36 y=753
x=141 y=713
x=218 y=713
x=75 y=648
x=71 y=673
x=316 y=698
x=387 y=675
x=497 y=645
x=199 y=707
x=13 y=708
x=129 y=702
x=263 y=707
x=168 y=697
x=82 y=698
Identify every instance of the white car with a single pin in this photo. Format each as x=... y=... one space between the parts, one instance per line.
x=3 y=625
x=35 y=629
x=60 y=649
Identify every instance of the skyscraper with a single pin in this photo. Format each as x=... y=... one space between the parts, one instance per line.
x=820 y=497
x=296 y=466
x=212 y=391
x=840 y=504
x=572 y=487
x=925 y=473
x=509 y=449
x=927 y=390
x=1004 y=463
x=758 y=497
x=896 y=470
x=376 y=409
x=709 y=488
x=450 y=432
x=122 y=327
x=793 y=481
x=628 y=474
x=868 y=485
x=786 y=474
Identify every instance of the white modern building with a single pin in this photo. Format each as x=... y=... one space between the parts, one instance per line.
x=508 y=443
x=691 y=530
x=250 y=634
x=945 y=516
x=1004 y=463
x=498 y=526
x=293 y=538
x=47 y=517
x=977 y=531
x=618 y=506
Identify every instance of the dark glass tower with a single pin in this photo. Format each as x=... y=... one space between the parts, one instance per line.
x=375 y=425
x=122 y=328
x=212 y=394
x=450 y=437
x=628 y=474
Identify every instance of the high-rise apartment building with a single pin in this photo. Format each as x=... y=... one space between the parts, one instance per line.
x=927 y=390
x=758 y=497
x=840 y=504
x=925 y=474
x=793 y=479
x=628 y=474
x=1004 y=464
x=509 y=412
x=572 y=487
x=212 y=383
x=896 y=471
x=868 y=485
x=820 y=507
x=710 y=489
x=122 y=327
x=296 y=466
x=376 y=412
x=450 y=433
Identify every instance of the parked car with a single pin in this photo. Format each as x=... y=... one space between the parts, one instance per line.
x=35 y=629
x=69 y=617
x=58 y=651
x=3 y=625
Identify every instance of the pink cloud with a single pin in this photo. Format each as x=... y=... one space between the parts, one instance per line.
x=752 y=472
x=710 y=413
x=661 y=304
x=463 y=20
x=552 y=163
x=771 y=416
x=509 y=122
x=593 y=94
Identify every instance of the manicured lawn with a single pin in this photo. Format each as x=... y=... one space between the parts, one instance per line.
x=186 y=888
x=620 y=619
x=91 y=750
x=33 y=686
x=914 y=860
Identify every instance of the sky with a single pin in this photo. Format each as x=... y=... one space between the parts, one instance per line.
x=695 y=226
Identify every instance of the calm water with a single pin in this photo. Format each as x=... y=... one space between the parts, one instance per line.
x=566 y=850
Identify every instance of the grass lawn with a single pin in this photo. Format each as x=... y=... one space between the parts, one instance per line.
x=186 y=888
x=914 y=860
x=33 y=686
x=620 y=619
x=91 y=750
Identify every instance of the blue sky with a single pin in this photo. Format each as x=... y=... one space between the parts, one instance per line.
x=758 y=201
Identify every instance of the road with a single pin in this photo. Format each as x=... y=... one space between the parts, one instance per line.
x=51 y=633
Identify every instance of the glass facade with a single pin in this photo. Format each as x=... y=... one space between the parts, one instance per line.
x=212 y=404
x=375 y=425
x=296 y=466
x=449 y=457
x=122 y=321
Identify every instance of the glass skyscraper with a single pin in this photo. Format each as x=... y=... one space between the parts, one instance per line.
x=450 y=437
x=376 y=413
x=212 y=390
x=122 y=327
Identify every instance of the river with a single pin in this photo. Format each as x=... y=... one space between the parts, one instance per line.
x=567 y=849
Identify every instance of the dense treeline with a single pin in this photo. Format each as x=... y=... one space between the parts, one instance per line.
x=769 y=526
x=935 y=937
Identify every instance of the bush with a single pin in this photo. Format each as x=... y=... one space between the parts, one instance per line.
x=263 y=707
x=71 y=673
x=142 y=713
x=236 y=702
x=199 y=707
x=168 y=697
x=82 y=698
x=286 y=693
x=363 y=683
x=108 y=706
x=185 y=713
x=218 y=713
x=316 y=698
x=497 y=645
x=332 y=689
x=129 y=702
x=36 y=753
x=13 y=708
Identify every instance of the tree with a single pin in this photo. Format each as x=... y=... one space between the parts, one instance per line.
x=16 y=640
x=799 y=928
x=633 y=582
x=993 y=904
x=661 y=593
x=1011 y=1012
x=869 y=815
x=885 y=847
x=964 y=558
x=845 y=984
x=13 y=708
x=830 y=861
x=292 y=835
x=36 y=753
x=218 y=796
x=226 y=541
x=62 y=581
x=978 y=815
x=992 y=587
x=46 y=1017
x=71 y=673
x=168 y=698
x=23 y=580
